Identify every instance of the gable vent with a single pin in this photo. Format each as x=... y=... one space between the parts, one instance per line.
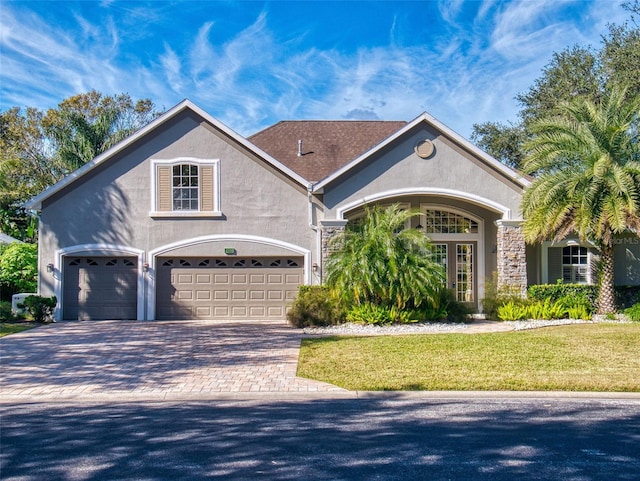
x=424 y=148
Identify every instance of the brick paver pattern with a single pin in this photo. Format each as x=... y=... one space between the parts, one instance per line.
x=160 y=359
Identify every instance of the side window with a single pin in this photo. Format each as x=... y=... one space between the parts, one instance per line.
x=575 y=265
x=186 y=187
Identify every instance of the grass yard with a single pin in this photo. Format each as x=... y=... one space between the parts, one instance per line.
x=583 y=357
x=11 y=327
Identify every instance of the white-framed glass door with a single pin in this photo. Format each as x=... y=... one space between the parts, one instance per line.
x=459 y=262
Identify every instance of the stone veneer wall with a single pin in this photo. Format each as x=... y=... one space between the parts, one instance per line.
x=329 y=230
x=512 y=261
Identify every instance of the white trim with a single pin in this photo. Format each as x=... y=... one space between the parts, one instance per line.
x=153 y=254
x=36 y=202
x=99 y=250
x=452 y=135
x=455 y=194
x=478 y=237
x=217 y=211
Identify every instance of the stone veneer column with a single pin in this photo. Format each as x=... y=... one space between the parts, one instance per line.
x=512 y=261
x=329 y=229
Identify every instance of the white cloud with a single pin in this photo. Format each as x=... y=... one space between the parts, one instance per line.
x=256 y=76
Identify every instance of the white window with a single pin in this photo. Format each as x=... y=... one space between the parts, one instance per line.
x=575 y=265
x=185 y=186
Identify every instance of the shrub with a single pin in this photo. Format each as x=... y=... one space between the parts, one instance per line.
x=512 y=311
x=6 y=314
x=496 y=297
x=633 y=312
x=448 y=308
x=545 y=310
x=369 y=313
x=314 y=306
x=577 y=307
x=39 y=308
x=587 y=294
x=627 y=296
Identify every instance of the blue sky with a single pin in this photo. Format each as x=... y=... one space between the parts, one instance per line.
x=253 y=63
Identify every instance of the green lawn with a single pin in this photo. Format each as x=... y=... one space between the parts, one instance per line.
x=585 y=357
x=11 y=327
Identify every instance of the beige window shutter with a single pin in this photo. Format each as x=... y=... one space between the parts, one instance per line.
x=164 y=188
x=206 y=188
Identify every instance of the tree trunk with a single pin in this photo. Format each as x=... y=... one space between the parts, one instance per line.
x=606 y=294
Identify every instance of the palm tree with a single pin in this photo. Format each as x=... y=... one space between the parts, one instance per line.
x=81 y=139
x=586 y=162
x=380 y=262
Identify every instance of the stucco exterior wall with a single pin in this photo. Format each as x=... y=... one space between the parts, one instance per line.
x=449 y=171
x=111 y=205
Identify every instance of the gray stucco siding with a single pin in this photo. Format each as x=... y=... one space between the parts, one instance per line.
x=111 y=204
x=448 y=169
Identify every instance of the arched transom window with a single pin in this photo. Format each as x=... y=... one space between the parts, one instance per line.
x=445 y=222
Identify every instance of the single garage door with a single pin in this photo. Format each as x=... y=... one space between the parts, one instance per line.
x=100 y=288
x=226 y=288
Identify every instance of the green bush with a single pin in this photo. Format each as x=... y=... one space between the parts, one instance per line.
x=6 y=314
x=314 y=306
x=545 y=310
x=19 y=267
x=496 y=297
x=627 y=296
x=587 y=294
x=39 y=308
x=633 y=312
x=446 y=309
x=369 y=313
x=512 y=311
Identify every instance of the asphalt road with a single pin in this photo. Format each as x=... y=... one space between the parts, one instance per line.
x=381 y=438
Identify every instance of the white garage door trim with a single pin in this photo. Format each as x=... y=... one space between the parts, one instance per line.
x=224 y=238
x=99 y=287
x=84 y=250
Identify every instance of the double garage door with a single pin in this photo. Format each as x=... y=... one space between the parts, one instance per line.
x=226 y=288
x=186 y=288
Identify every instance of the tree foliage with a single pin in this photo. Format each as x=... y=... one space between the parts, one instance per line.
x=39 y=148
x=586 y=157
x=19 y=267
x=377 y=261
x=577 y=71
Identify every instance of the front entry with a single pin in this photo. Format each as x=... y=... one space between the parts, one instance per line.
x=459 y=262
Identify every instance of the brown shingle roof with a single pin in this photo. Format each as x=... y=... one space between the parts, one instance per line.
x=327 y=145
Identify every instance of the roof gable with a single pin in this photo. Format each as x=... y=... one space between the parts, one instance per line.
x=316 y=149
x=36 y=202
x=432 y=122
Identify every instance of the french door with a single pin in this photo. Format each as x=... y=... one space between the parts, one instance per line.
x=459 y=262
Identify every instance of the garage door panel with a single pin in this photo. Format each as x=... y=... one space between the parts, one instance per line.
x=275 y=295
x=239 y=279
x=203 y=311
x=227 y=288
x=203 y=295
x=185 y=279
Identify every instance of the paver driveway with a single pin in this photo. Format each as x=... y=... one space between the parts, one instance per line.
x=155 y=360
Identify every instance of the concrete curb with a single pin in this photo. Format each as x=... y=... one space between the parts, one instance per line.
x=337 y=395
